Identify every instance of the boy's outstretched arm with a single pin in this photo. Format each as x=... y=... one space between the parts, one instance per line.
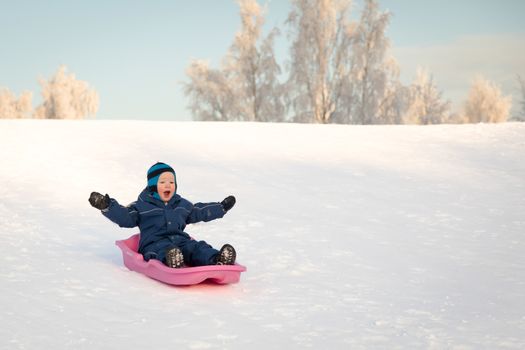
x=122 y=216
x=210 y=211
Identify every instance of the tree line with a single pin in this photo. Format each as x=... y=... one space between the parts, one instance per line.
x=340 y=71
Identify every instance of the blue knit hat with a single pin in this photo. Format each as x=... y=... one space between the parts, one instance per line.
x=153 y=176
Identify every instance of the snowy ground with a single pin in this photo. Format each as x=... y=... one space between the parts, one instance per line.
x=354 y=236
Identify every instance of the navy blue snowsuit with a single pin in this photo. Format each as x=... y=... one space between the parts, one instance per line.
x=162 y=226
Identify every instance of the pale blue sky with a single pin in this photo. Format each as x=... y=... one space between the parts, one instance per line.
x=134 y=53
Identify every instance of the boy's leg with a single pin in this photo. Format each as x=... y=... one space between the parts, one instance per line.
x=198 y=253
x=158 y=250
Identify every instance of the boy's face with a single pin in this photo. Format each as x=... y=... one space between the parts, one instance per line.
x=166 y=186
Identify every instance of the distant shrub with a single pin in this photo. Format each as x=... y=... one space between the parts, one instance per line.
x=11 y=107
x=485 y=103
x=65 y=97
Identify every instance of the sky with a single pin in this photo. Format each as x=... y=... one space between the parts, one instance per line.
x=134 y=53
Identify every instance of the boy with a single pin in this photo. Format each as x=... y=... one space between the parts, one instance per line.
x=162 y=215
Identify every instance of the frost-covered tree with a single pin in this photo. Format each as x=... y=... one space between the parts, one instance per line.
x=485 y=103
x=521 y=82
x=210 y=94
x=340 y=70
x=253 y=69
x=11 y=107
x=321 y=35
x=425 y=102
x=65 y=97
x=246 y=87
x=394 y=103
x=375 y=74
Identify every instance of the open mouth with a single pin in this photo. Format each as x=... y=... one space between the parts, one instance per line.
x=166 y=193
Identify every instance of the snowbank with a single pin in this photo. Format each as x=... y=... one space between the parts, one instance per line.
x=354 y=236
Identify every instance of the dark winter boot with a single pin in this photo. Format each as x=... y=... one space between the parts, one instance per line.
x=174 y=258
x=226 y=255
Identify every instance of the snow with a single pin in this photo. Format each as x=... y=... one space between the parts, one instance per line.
x=354 y=236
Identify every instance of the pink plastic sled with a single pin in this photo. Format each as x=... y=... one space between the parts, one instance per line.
x=221 y=274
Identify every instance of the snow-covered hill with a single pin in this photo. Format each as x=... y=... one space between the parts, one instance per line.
x=354 y=236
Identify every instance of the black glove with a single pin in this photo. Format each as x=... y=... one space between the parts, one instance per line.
x=228 y=203
x=99 y=201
